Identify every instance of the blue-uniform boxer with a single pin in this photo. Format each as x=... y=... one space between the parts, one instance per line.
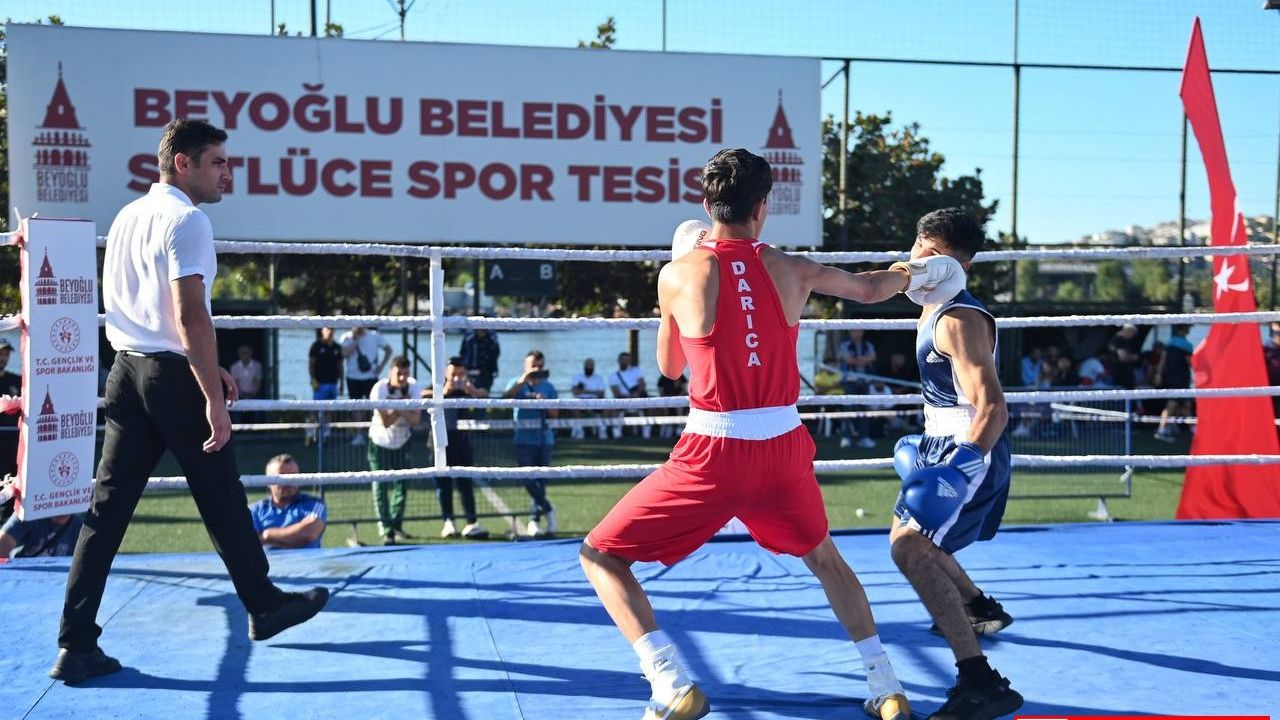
x=956 y=476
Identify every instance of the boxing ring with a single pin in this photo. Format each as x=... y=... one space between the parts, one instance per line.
x=1169 y=618
x=1166 y=617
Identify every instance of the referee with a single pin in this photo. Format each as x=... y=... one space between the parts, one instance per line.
x=167 y=392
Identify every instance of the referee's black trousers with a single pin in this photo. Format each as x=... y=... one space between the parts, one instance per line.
x=154 y=404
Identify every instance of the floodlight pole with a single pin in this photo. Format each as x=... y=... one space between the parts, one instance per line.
x=844 y=165
x=313 y=18
x=1275 y=215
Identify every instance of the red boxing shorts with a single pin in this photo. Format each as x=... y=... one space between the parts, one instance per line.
x=767 y=484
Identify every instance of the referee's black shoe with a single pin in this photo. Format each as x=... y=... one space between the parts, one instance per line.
x=295 y=609
x=985 y=614
x=75 y=667
x=987 y=699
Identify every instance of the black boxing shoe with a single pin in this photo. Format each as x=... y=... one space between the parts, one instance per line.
x=73 y=668
x=985 y=700
x=985 y=614
x=295 y=609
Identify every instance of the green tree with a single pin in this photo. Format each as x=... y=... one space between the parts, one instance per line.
x=606 y=36
x=893 y=176
x=1069 y=291
x=1152 y=281
x=1110 y=282
x=1027 y=273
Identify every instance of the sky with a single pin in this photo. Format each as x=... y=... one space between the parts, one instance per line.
x=1099 y=149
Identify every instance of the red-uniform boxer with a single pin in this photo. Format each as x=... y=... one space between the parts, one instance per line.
x=730 y=310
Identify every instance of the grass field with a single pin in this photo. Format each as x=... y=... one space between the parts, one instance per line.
x=168 y=522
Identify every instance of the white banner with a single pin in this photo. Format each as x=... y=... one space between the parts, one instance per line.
x=413 y=142
x=60 y=367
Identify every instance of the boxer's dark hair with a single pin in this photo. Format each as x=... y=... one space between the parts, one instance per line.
x=955 y=228
x=733 y=182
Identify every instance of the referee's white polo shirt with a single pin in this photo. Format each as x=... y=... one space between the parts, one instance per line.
x=154 y=240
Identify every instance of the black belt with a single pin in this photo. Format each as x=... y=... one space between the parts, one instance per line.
x=161 y=355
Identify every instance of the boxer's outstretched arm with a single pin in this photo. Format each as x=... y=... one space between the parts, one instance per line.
x=864 y=287
x=967 y=336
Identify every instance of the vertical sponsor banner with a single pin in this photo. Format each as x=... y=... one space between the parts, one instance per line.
x=60 y=367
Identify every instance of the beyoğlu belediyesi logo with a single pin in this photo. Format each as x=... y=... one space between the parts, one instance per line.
x=53 y=290
x=784 y=157
x=52 y=425
x=61 y=151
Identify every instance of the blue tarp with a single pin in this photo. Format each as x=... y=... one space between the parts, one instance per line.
x=1170 y=618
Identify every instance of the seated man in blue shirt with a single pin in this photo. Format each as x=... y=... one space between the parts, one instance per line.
x=49 y=537
x=288 y=519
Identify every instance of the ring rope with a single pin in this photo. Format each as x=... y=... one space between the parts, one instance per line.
x=566 y=472
x=492 y=253
x=680 y=401
x=459 y=322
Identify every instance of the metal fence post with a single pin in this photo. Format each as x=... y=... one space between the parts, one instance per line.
x=439 y=432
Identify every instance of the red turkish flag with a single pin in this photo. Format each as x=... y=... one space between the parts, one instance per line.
x=1232 y=354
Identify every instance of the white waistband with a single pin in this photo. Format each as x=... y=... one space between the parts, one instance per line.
x=948 y=421
x=755 y=424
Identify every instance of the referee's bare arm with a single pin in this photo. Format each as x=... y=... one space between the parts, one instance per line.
x=195 y=327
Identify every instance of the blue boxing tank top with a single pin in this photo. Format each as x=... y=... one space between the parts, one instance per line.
x=947 y=412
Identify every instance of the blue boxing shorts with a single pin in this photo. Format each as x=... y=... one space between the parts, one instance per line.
x=979 y=517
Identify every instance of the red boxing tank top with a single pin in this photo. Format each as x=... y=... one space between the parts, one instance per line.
x=748 y=360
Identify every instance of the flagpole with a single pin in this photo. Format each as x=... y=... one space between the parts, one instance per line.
x=1182 y=215
x=1275 y=225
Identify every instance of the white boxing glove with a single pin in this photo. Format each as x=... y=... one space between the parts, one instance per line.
x=934 y=279
x=689 y=235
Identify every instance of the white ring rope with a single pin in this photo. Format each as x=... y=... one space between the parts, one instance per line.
x=568 y=472
x=682 y=401
x=485 y=253
x=460 y=322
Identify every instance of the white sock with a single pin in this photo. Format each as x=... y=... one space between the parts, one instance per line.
x=660 y=663
x=881 y=680
x=869 y=647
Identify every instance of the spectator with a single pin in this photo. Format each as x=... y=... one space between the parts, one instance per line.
x=389 y=447
x=1124 y=344
x=672 y=388
x=10 y=384
x=1174 y=372
x=1064 y=373
x=50 y=537
x=907 y=375
x=288 y=519
x=480 y=351
x=360 y=347
x=1093 y=372
x=1271 y=353
x=1031 y=367
x=458 y=384
x=588 y=385
x=628 y=382
x=533 y=439
x=875 y=426
x=1149 y=364
x=247 y=374
x=324 y=364
x=857 y=357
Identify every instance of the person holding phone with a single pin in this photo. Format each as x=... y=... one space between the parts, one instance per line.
x=534 y=440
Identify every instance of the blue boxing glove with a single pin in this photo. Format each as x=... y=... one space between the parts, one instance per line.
x=906 y=454
x=969 y=459
x=933 y=495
